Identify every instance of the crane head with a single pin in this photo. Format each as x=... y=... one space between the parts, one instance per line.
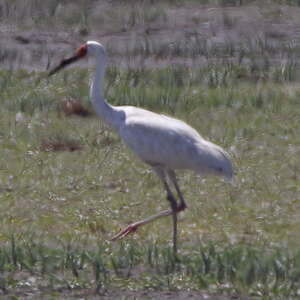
x=80 y=53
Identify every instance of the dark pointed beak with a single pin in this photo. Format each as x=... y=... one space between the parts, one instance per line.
x=63 y=64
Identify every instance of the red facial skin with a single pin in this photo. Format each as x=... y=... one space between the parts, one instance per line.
x=82 y=50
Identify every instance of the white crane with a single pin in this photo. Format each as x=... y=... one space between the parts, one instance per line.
x=160 y=141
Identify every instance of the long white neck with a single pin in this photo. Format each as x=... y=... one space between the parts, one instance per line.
x=104 y=110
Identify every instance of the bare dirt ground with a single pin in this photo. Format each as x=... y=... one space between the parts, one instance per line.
x=36 y=49
x=118 y=294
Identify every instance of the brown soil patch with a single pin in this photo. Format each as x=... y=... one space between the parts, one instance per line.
x=115 y=294
x=72 y=107
x=53 y=145
x=37 y=49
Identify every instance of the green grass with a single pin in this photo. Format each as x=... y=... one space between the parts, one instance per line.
x=59 y=208
x=235 y=270
x=68 y=184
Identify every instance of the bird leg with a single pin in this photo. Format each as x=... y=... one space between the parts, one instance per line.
x=172 y=176
x=175 y=209
x=134 y=226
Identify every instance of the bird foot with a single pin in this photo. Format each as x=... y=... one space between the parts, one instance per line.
x=129 y=229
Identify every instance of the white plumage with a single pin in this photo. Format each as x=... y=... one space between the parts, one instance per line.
x=162 y=142
x=159 y=139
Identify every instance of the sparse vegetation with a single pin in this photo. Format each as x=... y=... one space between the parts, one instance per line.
x=88 y=195
x=67 y=183
x=236 y=270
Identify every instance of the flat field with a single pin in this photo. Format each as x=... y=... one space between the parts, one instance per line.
x=68 y=184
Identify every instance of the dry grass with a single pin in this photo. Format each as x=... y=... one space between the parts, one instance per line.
x=54 y=144
x=72 y=107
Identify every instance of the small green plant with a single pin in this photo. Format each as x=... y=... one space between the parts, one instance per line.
x=243 y=269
